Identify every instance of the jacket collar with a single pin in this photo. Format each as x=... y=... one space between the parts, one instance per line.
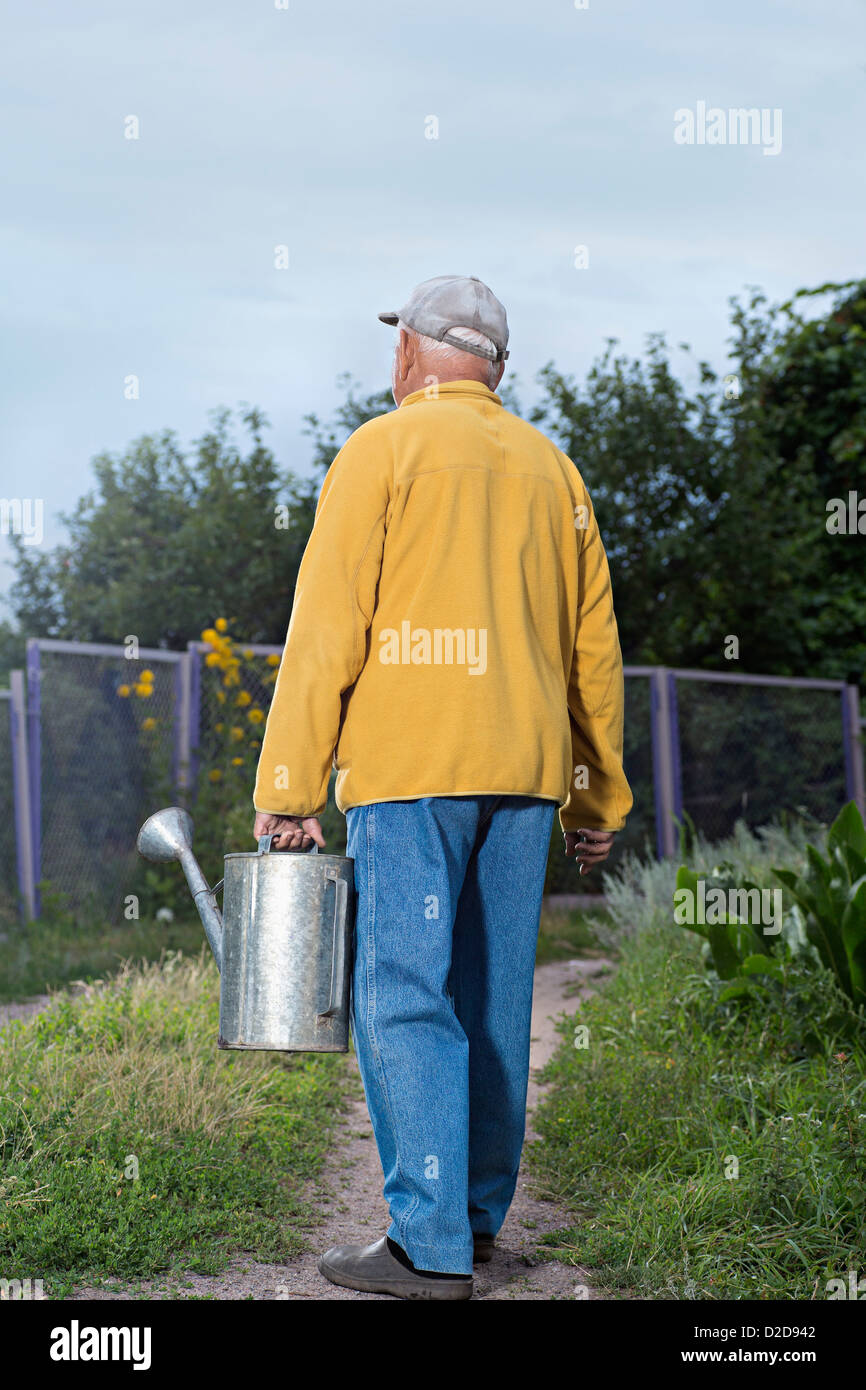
x=453 y=388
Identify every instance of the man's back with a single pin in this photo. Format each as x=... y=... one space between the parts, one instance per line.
x=453 y=572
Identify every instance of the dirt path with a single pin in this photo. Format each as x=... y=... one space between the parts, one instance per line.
x=353 y=1210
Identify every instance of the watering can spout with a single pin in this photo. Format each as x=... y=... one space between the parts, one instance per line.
x=167 y=835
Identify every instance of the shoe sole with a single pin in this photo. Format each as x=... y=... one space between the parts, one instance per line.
x=440 y=1291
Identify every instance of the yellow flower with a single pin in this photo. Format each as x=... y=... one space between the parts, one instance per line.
x=219 y=728
x=237 y=762
x=212 y=659
x=244 y=699
x=209 y=635
x=254 y=743
x=146 y=677
x=123 y=691
x=231 y=678
x=236 y=733
x=148 y=723
x=143 y=691
x=221 y=697
x=249 y=653
x=273 y=660
x=220 y=624
x=255 y=716
x=215 y=775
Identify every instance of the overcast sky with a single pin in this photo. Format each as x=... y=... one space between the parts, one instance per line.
x=307 y=126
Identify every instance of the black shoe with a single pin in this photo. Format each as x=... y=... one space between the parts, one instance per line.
x=483 y=1249
x=374 y=1269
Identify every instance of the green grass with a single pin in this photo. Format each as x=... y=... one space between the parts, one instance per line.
x=36 y=957
x=642 y=1131
x=131 y=1147
x=564 y=934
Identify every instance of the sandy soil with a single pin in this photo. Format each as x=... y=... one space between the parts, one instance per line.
x=353 y=1210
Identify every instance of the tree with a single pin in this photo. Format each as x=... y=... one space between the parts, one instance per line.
x=167 y=540
x=804 y=414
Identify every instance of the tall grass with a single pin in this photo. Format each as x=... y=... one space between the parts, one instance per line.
x=703 y=1155
x=130 y=1145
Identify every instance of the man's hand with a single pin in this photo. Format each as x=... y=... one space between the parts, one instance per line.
x=591 y=847
x=290 y=832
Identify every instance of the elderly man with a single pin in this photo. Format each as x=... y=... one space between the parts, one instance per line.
x=453 y=649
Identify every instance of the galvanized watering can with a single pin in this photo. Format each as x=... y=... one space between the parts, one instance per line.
x=283 y=943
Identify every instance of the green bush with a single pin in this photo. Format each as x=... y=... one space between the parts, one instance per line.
x=709 y=1149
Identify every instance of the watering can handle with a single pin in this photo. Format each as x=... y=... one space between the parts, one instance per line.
x=338 y=950
x=266 y=847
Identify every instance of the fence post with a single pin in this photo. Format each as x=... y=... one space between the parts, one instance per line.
x=21 y=793
x=34 y=759
x=676 y=765
x=665 y=759
x=853 y=742
x=182 y=699
x=194 y=725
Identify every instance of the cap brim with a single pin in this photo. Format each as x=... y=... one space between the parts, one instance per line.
x=392 y=319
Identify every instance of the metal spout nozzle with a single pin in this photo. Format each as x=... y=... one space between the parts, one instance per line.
x=166 y=835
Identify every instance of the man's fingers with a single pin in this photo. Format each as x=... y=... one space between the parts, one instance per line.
x=313 y=831
x=299 y=835
x=589 y=847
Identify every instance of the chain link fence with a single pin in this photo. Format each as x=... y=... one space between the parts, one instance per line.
x=757 y=752
x=111 y=739
x=105 y=742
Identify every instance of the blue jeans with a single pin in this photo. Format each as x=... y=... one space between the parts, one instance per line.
x=449 y=898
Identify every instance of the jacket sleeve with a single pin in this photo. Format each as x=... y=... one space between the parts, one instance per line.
x=325 y=646
x=599 y=796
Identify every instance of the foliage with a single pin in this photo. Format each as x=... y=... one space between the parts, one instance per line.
x=132 y=1147
x=165 y=538
x=708 y=1150
x=711 y=496
x=824 y=929
x=831 y=895
x=712 y=501
x=803 y=412
x=67 y=947
x=702 y=1156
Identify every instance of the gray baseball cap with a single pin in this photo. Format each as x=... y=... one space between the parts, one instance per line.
x=455 y=301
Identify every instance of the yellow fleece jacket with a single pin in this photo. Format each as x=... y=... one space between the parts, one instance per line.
x=453 y=631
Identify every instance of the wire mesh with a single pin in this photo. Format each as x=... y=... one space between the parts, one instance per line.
x=753 y=752
x=107 y=742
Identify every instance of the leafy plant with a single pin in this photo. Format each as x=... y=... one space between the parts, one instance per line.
x=831 y=893
x=732 y=944
x=825 y=928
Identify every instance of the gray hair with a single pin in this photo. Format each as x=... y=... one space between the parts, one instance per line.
x=446 y=352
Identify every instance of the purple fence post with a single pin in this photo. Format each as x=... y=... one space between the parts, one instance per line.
x=676 y=765
x=181 y=722
x=34 y=753
x=664 y=776
x=853 y=747
x=194 y=725
x=21 y=792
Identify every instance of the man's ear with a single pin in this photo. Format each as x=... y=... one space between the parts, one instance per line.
x=406 y=355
